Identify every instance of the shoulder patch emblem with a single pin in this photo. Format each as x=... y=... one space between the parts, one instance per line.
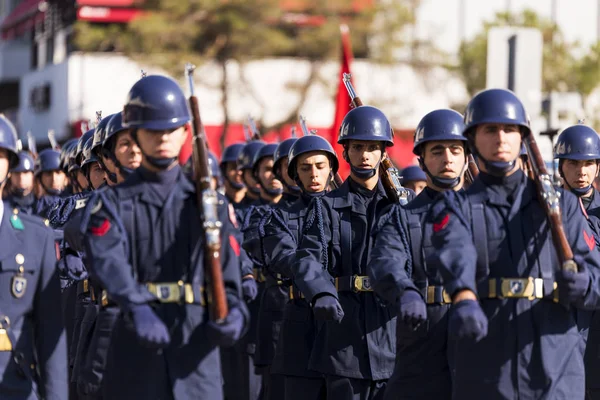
x=589 y=240
x=234 y=245
x=102 y=229
x=80 y=203
x=442 y=224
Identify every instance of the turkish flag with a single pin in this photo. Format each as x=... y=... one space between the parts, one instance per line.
x=342 y=100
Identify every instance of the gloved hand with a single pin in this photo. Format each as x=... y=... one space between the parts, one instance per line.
x=72 y=266
x=149 y=328
x=249 y=289
x=228 y=332
x=328 y=308
x=573 y=286
x=467 y=321
x=412 y=309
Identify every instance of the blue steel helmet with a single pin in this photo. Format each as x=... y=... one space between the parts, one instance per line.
x=307 y=144
x=500 y=106
x=82 y=140
x=88 y=155
x=114 y=126
x=100 y=134
x=25 y=163
x=578 y=142
x=155 y=102
x=231 y=153
x=443 y=124
x=281 y=152
x=366 y=123
x=246 y=157
x=413 y=173
x=8 y=140
x=47 y=160
x=266 y=151
x=65 y=152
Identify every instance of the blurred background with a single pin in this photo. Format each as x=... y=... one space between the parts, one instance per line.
x=61 y=61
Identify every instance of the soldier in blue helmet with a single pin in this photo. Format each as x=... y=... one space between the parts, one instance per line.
x=280 y=167
x=414 y=178
x=164 y=345
x=311 y=165
x=235 y=190
x=245 y=164
x=91 y=167
x=21 y=194
x=119 y=153
x=512 y=331
x=50 y=181
x=32 y=336
x=355 y=345
x=400 y=272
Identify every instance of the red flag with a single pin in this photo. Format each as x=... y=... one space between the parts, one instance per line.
x=342 y=100
x=186 y=151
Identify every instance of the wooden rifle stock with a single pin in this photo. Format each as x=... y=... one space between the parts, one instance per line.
x=550 y=200
x=472 y=170
x=207 y=203
x=389 y=175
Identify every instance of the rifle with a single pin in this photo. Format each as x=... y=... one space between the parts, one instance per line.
x=31 y=144
x=550 y=200
x=337 y=179
x=389 y=175
x=472 y=170
x=52 y=139
x=253 y=129
x=207 y=202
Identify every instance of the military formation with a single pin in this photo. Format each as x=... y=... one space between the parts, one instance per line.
x=130 y=274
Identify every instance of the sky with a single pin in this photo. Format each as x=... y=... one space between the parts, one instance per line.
x=440 y=19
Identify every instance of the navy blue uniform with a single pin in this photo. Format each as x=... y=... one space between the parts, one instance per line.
x=533 y=348
x=356 y=355
x=398 y=262
x=147 y=230
x=36 y=324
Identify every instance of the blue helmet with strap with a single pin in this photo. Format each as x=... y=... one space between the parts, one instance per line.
x=578 y=142
x=438 y=125
x=495 y=106
x=281 y=153
x=155 y=102
x=25 y=164
x=82 y=140
x=100 y=134
x=308 y=144
x=66 y=151
x=47 y=160
x=231 y=153
x=366 y=123
x=8 y=141
x=246 y=156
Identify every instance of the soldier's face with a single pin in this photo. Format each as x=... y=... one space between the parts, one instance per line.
x=162 y=144
x=266 y=175
x=22 y=180
x=97 y=175
x=55 y=180
x=445 y=159
x=313 y=171
x=3 y=166
x=579 y=173
x=284 y=174
x=82 y=180
x=364 y=154
x=416 y=186
x=498 y=142
x=126 y=151
x=233 y=174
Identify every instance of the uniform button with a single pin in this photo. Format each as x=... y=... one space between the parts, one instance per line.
x=19 y=258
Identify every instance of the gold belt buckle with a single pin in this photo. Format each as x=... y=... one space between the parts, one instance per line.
x=188 y=293
x=362 y=284
x=518 y=288
x=431 y=295
x=165 y=292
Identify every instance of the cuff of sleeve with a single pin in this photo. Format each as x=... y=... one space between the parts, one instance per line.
x=317 y=288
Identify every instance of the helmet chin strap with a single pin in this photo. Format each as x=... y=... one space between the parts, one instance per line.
x=51 y=192
x=496 y=168
x=579 y=192
x=362 y=173
x=443 y=183
x=160 y=163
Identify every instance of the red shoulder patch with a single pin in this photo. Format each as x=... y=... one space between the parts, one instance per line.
x=442 y=224
x=234 y=245
x=102 y=229
x=589 y=239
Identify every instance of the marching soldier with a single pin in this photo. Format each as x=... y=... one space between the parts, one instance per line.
x=50 y=181
x=235 y=190
x=512 y=335
x=311 y=163
x=355 y=345
x=422 y=370
x=414 y=178
x=21 y=196
x=145 y=239
x=32 y=334
x=91 y=167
